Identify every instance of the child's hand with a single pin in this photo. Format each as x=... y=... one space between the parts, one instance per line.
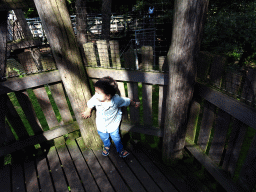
x=87 y=113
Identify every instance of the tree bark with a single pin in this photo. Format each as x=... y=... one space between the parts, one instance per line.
x=188 y=22
x=106 y=14
x=57 y=25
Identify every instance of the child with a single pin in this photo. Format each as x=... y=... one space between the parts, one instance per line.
x=108 y=113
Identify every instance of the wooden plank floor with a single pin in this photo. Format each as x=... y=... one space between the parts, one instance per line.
x=72 y=167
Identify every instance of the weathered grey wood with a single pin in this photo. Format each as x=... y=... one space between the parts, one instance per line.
x=133 y=94
x=219 y=138
x=81 y=166
x=61 y=102
x=31 y=81
x=235 y=142
x=192 y=120
x=147 y=55
x=59 y=31
x=27 y=108
x=115 y=55
x=122 y=94
x=206 y=125
x=23 y=23
x=129 y=76
x=89 y=51
x=2 y=119
x=46 y=106
x=111 y=172
x=3 y=41
x=238 y=110
x=181 y=59
x=217 y=69
x=102 y=47
x=249 y=87
x=126 y=173
x=147 y=104
x=56 y=171
x=30 y=175
x=129 y=59
x=27 y=62
x=18 y=180
x=162 y=105
x=144 y=129
x=15 y=120
x=211 y=167
x=44 y=174
x=204 y=62
x=162 y=63
x=153 y=171
x=45 y=136
x=247 y=177
x=5 y=178
x=141 y=174
x=233 y=82
x=68 y=166
x=95 y=168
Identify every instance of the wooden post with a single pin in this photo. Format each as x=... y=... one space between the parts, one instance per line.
x=57 y=25
x=187 y=29
x=23 y=23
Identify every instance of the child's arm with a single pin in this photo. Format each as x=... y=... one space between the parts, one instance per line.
x=135 y=104
x=87 y=113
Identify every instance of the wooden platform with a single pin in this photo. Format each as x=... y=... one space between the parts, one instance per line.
x=71 y=167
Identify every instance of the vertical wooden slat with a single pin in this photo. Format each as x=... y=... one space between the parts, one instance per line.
x=90 y=54
x=30 y=175
x=122 y=94
x=3 y=41
x=247 y=176
x=103 y=53
x=162 y=105
x=217 y=69
x=5 y=178
x=233 y=82
x=27 y=62
x=147 y=55
x=204 y=61
x=249 y=88
x=219 y=138
x=115 y=55
x=235 y=142
x=60 y=100
x=147 y=104
x=46 y=106
x=133 y=94
x=15 y=120
x=18 y=180
x=28 y=110
x=44 y=174
x=206 y=125
x=193 y=115
x=129 y=59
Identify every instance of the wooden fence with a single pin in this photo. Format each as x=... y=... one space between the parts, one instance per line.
x=221 y=130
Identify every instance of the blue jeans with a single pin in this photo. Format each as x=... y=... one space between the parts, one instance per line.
x=115 y=136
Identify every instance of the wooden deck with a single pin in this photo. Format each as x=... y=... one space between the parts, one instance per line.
x=71 y=167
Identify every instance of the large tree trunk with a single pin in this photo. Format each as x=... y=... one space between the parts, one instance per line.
x=187 y=29
x=57 y=25
x=106 y=14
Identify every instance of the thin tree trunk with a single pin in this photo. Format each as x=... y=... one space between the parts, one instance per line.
x=106 y=14
x=57 y=25
x=3 y=42
x=186 y=37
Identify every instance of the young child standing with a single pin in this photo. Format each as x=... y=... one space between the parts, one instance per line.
x=108 y=113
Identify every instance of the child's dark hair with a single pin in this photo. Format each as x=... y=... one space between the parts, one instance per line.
x=108 y=85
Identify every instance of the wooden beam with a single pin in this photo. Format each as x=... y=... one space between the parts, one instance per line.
x=45 y=136
x=240 y=111
x=130 y=76
x=31 y=81
x=216 y=172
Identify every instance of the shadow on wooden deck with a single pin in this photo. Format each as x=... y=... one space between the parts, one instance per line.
x=72 y=167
